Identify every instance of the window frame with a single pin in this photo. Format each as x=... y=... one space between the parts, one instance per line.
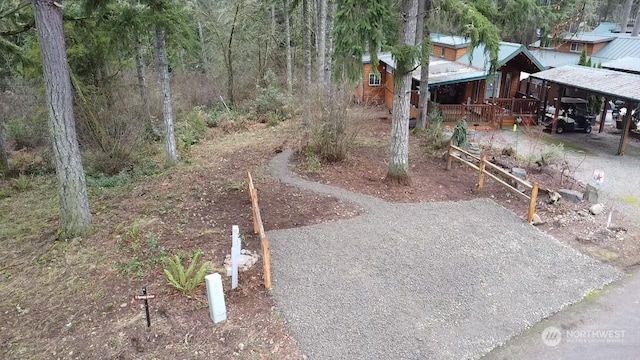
x=578 y=47
x=443 y=51
x=377 y=77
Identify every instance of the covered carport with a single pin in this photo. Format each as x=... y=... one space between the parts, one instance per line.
x=612 y=85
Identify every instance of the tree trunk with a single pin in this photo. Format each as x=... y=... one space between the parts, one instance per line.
x=229 y=58
x=142 y=82
x=287 y=29
x=322 y=33
x=167 y=110
x=4 y=158
x=425 y=52
x=203 y=50
x=398 y=170
x=626 y=13
x=306 y=33
x=328 y=58
x=75 y=217
x=636 y=25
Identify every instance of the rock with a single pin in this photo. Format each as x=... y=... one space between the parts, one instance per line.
x=554 y=197
x=571 y=195
x=590 y=194
x=519 y=173
x=536 y=219
x=596 y=209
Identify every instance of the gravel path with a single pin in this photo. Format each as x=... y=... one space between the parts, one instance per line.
x=418 y=281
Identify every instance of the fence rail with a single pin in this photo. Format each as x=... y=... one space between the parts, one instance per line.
x=483 y=166
x=258 y=228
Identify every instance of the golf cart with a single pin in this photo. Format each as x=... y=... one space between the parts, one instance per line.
x=573 y=116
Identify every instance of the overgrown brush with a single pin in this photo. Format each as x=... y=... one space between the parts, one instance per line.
x=271 y=105
x=434 y=132
x=192 y=128
x=28 y=132
x=333 y=128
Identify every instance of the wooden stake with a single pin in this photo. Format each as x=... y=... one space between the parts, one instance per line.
x=532 y=203
x=481 y=176
x=449 y=159
x=266 y=262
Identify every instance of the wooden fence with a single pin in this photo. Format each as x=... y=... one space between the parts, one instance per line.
x=486 y=168
x=474 y=113
x=517 y=107
x=258 y=228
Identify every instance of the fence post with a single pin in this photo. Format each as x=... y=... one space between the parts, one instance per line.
x=449 y=159
x=532 y=204
x=483 y=162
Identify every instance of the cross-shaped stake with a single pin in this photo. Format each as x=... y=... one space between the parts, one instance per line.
x=145 y=297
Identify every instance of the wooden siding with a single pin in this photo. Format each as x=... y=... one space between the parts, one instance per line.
x=449 y=53
x=372 y=94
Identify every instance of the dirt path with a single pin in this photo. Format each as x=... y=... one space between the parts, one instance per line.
x=415 y=281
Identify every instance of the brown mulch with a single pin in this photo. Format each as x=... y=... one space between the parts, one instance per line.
x=366 y=167
x=74 y=299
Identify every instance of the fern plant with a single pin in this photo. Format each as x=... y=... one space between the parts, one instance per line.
x=459 y=137
x=185 y=280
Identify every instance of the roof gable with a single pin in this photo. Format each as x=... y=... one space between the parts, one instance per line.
x=507 y=51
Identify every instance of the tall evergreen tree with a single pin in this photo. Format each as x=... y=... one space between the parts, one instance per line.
x=75 y=218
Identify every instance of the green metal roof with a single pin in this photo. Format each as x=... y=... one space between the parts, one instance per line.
x=507 y=51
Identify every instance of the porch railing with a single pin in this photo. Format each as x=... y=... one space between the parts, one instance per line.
x=516 y=107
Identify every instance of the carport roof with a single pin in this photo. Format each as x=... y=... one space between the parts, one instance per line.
x=615 y=84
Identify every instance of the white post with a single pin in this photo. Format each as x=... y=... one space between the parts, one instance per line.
x=215 y=295
x=235 y=255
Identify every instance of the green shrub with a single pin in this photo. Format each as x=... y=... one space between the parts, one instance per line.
x=103 y=181
x=185 y=280
x=192 y=128
x=312 y=162
x=435 y=134
x=22 y=183
x=28 y=132
x=459 y=137
x=271 y=105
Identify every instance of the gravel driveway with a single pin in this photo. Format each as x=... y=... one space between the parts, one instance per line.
x=418 y=281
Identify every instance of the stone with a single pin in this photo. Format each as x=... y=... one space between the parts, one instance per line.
x=537 y=220
x=554 y=197
x=519 y=173
x=246 y=260
x=590 y=194
x=596 y=209
x=571 y=195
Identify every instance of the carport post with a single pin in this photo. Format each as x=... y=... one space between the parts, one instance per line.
x=603 y=117
x=625 y=130
x=558 y=105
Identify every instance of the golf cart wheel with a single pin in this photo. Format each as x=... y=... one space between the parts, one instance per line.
x=560 y=130
x=588 y=129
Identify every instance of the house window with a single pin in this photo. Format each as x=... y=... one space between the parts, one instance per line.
x=374 y=80
x=442 y=52
x=576 y=47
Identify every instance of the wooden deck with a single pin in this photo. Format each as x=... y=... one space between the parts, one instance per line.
x=497 y=113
